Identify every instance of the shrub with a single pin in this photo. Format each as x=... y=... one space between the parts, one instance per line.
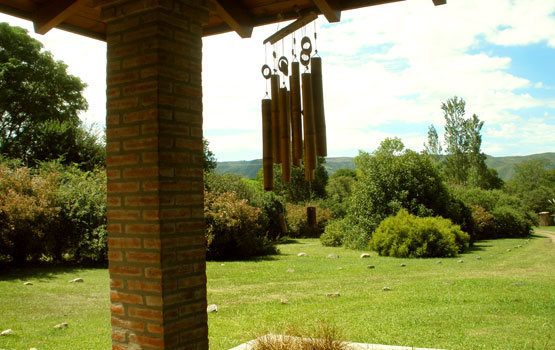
x=333 y=234
x=509 y=222
x=406 y=235
x=232 y=228
x=26 y=208
x=297 y=221
x=483 y=223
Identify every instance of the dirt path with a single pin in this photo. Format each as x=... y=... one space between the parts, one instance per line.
x=546 y=233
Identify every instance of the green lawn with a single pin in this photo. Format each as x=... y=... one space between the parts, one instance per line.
x=506 y=300
x=547 y=228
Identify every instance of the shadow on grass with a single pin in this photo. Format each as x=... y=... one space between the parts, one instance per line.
x=38 y=272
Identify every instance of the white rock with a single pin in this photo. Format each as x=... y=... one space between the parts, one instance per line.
x=222 y=265
x=7 y=332
x=478 y=258
x=333 y=256
x=460 y=261
x=333 y=295
x=76 y=280
x=33 y=349
x=212 y=308
x=371 y=267
x=438 y=262
x=28 y=283
x=290 y=270
x=364 y=255
x=508 y=250
x=302 y=254
x=61 y=325
x=386 y=289
x=284 y=301
x=402 y=265
x=340 y=268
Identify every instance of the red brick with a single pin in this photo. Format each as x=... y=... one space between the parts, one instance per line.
x=123 y=187
x=147 y=341
x=119 y=336
x=153 y=272
x=114 y=228
x=115 y=255
x=142 y=257
x=112 y=201
x=146 y=314
x=140 y=88
x=155 y=328
x=127 y=214
x=124 y=131
x=143 y=229
x=119 y=78
x=133 y=173
x=132 y=325
x=141 y=144
x=124 y=243
x=113 y=174
x=154 y=301
x=117 y=297
x=141 y=116
x=125 y=271
x=117 y=309
x=124 y=159
x=152 y=243
x=144 y=286
x=115 y=283
x=122 y=104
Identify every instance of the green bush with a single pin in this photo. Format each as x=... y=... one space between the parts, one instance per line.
x=509 y=222
x=483 y=223
x=27 y=207
x=297 y=220
x=406 y=235
x=232 y=228
x=333 y=234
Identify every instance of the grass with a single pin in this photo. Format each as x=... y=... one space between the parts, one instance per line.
x=506 y=300
x=546 y=228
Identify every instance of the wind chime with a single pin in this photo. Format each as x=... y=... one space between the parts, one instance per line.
x=285 y=112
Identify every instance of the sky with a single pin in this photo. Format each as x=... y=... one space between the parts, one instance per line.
x=386 y=71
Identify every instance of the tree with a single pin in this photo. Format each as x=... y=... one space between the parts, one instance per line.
x=339 y=189
x=534 y=184
x=39 y=105
x=465 y=162
x=298 y=189
x=433 y=147
x=210 y=162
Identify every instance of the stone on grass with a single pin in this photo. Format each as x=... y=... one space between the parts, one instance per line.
x=460 y=261
x=28 y=283
x=302 y=254
x=340 y=268
x=333 y=295
x=7 y=332
x=448 y=283
x=402 y=265
x=284 y=301
x=364 y=255
x=518 y=284
x=333 y=256
x=508 y=250
x=76 y=280
x=438 y=262
x=222 y=265
x=33 y=349
x=370 y=267
x=478 y=258
x=212 y=308
x=290 y=270
x=61 y=325
x=386 y=289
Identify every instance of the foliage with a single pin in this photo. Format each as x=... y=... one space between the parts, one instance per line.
x=298 y=189
x=433 y=147
x=395 y=178
x=297 y=222
x=510 y=217
x=270 y=203
x=39 y=106
x=53 y=213
x=26 y=208
x=210 y=162
x=406 y=235
x=232 y=228
x=339 y=190
x=534 y=184
x=333 y=234
x=483 y=222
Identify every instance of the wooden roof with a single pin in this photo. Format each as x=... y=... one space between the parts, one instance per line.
x=83 y=16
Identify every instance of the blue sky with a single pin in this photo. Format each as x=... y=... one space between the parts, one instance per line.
x=387 y=69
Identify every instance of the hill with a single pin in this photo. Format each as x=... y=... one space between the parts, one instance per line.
x=503 y=165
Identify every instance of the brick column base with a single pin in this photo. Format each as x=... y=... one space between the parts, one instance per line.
x=154 y=161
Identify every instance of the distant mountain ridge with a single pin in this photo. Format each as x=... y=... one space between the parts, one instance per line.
x=503 y=165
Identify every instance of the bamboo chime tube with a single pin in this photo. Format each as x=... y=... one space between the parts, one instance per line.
x=318 y=101
x=296 y=123
x=285 y=135
x=267 y=149
x=309 y=132
x=275 y=118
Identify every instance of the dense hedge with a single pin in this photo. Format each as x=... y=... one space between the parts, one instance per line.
x=52 y=213
x=297 y=220
x=406 y=235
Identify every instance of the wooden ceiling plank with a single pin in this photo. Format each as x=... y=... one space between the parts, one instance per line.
x=52 y=13
x=439 y=2
x=236 y=16
x=329 y=9
x=285 y=31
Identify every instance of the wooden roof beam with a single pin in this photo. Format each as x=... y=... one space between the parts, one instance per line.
x=52 y=13
x=439 y=2
x=303 y=20
x=236 y=16
x=329 y=9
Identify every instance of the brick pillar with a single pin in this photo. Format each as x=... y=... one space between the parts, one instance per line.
x=154 y=164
